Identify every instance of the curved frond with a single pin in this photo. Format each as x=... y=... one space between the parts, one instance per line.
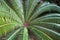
x=40 y=34
x=45 y=8
x=56 y=36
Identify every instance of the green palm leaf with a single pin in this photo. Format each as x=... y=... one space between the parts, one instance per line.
x=19 y=17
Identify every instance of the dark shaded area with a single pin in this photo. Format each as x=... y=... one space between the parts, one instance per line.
x=31 y=36
x=53 y=1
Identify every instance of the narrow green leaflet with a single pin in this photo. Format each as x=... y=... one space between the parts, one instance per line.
x=51 y=17
x=25 y=34
x=53 y=26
